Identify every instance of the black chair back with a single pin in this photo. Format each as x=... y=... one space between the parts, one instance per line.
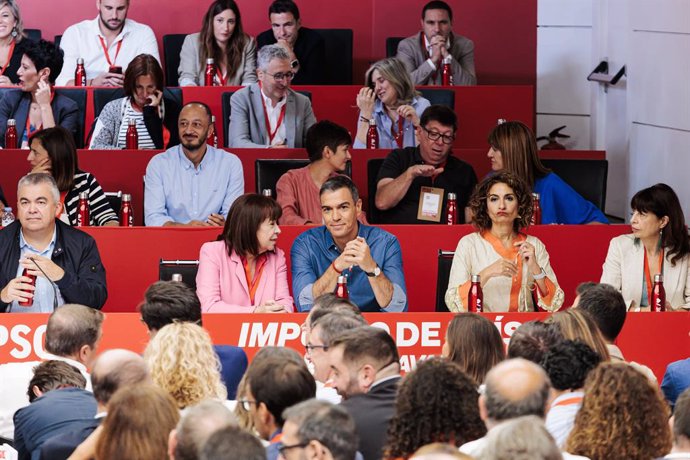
x=445 y=262
x=392 y=45
x=338 y=55
x=439 y=96
x=186 y=268
x=78 y=95
x=57 y=40
x=33 y=34
x=101 y=96
x=373 y=166
x=114 y=200
x=587 y=177
x=267 y=172
x=172 y=46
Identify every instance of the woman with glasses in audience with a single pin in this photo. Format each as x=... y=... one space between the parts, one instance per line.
x=514 y=149
x=659 y=244
x=154 y=110
x=223 y=40
x=53 y=152
x=245 y=271
x=389 y=99
x=12 y=42
x=35 y=105
x=514 y=268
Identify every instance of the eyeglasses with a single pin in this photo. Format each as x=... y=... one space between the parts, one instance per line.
x=282 y=76
x=246 y=404
x=284 y=448
x=434 y=136
x=310 y=348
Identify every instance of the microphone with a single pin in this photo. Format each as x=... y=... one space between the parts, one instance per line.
x=52 y=284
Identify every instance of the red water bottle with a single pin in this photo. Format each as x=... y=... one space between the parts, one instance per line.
x=80 y=73
x=341 y=288
x=372 y=135
x=83 y=217
x=210 y=74
x=446 y=72
x=452 y=207
x=475 y=298
x=212 y=139
x=132 y=135
x=28 y=302
x=11 y=134
x=536 y=210
x=658 y=300
x=126 y=214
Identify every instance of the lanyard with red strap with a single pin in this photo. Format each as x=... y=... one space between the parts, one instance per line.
x=399 y=135
x=222 y=79
x=648 y=275
x=272 y=134
x=442 y=166
x=9 y=58
x=569 y=401
x=107 y=55
x=253 y=283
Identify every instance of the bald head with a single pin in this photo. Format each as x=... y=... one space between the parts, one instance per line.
x=115 y=369
x=514 y=388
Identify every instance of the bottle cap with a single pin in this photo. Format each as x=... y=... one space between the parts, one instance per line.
x=372 y=121
x=84 y=196
x=659 y=278
x=8 y=209
x=452 y=196
x=11 y=122
x=176 y=277
x=126 y=197
x=500 y=121
x=132 y=122
x=80 y=61
x=475 y=279
x=210 y=61
x=267 y=192
x=213 y=118
x=535 y=196
x=342 y=279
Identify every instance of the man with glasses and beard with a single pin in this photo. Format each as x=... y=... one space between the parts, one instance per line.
x=414 y=182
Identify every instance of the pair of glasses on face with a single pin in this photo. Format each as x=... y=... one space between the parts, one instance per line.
x=246 y=404
x=282 y=449
x=310 y=348
x=434 y=136
x=280 y=76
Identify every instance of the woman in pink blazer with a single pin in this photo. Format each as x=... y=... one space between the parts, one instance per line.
x=244 y=272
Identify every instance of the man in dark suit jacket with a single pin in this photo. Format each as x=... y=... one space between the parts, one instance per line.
x=366 y=373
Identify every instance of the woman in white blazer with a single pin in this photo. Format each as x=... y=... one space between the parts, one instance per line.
x=659 y=244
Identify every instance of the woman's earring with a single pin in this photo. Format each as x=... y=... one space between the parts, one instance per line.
x=14 y=32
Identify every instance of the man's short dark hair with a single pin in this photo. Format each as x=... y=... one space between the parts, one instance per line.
x=437 y=5
x=280 y=384
x=72 y=326
x=567 y=364
x=283 y=6
x=330 y=303
x=582 y=287
x=335 y=323
x=325 y=134
x=54 y=374
x=45 y=54
x=166 y=302
x=606 y=306
x=230 y=443
x=367 y=342
x=532 y=340
x=442 y=114
x=336 y=183
x=681 y=416
x=326 y=423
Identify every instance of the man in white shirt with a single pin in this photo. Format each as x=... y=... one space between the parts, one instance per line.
x=107 y=44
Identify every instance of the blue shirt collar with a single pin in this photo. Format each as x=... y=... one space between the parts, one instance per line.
x=187 y=164
x=328 y=238
x=23 y=244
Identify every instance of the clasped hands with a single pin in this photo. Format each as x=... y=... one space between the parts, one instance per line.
x=509 y=268
x=355 y=253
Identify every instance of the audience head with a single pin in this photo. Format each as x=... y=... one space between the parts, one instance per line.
x=514 y=149
x=577 y=325
x=251 y=227
x=681 y=422
x=474 y=343
x=330 y=142
x=112 y=13
x=523 y=438
x=604 y=304
x=657 y=213
x=197 y=424
x=435 y=133
x=194 y=126
x=436 y=402
x=391 y=82
x=361 y=356
x=318 y=429
x=273 y=386
x=285 y=20
x=143 y=77
x=567 y=364
x=330 y=303
x=274 y=71
x=55 y=147
x=623 y=415
x=340 y=206
x=115 y=369
x=533 y=339
x=16 y=25
x=32 y=188
x=322 y=333
x=42 y=61
x=222 y=36
x=230 y=443
x=437 y=19
x=580 y=289
x=73 y=331
x=167 y=302
x=514 y=388
x=487 y=197
x=439 y=451
x=182 y=362
x=53 y=375
x=139 y=421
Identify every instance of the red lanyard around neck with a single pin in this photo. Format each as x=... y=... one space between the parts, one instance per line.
x=105 y=51
x=648 y=275
x=272 y=134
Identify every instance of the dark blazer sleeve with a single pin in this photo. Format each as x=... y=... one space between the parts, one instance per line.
x=87 y=286
x=66 y=114
x=312 y=58
x=16 y=60
x=154 y=124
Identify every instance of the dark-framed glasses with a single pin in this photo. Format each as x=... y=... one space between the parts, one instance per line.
x=434 y=136
x=280 y=76
x=282 y=449
x=246 y=404
x=310 y=348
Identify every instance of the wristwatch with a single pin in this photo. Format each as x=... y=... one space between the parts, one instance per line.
x=375 y=273
x=540 y=276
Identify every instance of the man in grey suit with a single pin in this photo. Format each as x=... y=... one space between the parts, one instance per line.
x=424 y=53
x=269 y=113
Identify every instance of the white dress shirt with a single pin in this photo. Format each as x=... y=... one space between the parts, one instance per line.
x=273 y=116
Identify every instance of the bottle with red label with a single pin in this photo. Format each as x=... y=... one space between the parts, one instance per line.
x=83 y=215
x=658 y=300
x=126 y=212
x=132 y=135
x=11 y=134
x=80 y=73
x=210 y=74
x=452 y=208
x=30 y=301
x=341 y=288
x=475 y=298
x=536 y=210
x=372 y=135
x=212 y=138
x=447 y=72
